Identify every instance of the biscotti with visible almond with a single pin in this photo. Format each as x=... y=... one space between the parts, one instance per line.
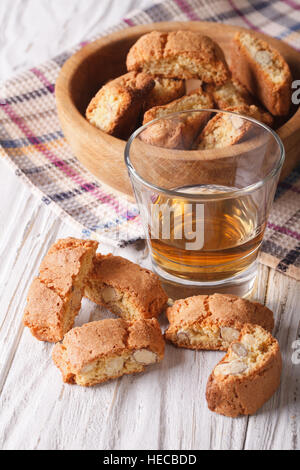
x=116 y=107
x=212 y=322
x=54 y=297
x=264 y=72
x=233 y=96
x=253 y=111
x=247 y=376
x=179 y=132
x=179 y=54
x=197 y=99
x=125 y=288
x=222 y=131
x=164 y=91
x=229 y=94
x=106 y=349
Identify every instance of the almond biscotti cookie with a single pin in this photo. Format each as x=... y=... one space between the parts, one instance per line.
x=116 y=107
x=263 y=71
x=232 y=96
x=179 y=54
x=197 y=99
x=164 y=91
x=222 y=131
x=213 y=321
x=229 y=94
x=54 y=298
x=107 y=349
x=247 y=376
x=253 y=111
x=179 y=132
x=125 y=288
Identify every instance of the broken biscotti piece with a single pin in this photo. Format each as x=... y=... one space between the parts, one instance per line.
x=178 y=132
x=263 y=71
x=107 y=349
x=116 y=107
x=233 y=96
x=222 y=131
x=213 y=321
x=197 y=99
x=229 y=94
x=247 y=376
x=253 y=111
x=179 y=54
x=125 y=288
x=54 y=298
x=164 y=91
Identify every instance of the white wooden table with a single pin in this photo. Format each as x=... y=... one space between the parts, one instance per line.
x=163 y=409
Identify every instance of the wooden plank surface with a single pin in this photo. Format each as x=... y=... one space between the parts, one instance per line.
x=165 y=407
x=133 y=412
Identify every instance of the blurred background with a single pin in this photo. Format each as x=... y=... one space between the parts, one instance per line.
x=33 y=31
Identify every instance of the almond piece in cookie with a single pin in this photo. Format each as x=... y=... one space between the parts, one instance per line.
x=116 y=107
x=179 y=54
x=247 y=376
x=263 y=71
x=125 y=288
x=213 y=321
x=164 y=91
x=103 y=350
x=54 y=298
x=179 y=132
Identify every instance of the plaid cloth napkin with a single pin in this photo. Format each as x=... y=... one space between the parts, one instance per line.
x=33 y=144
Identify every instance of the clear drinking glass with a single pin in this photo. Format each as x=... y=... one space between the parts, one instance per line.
x=204 y=197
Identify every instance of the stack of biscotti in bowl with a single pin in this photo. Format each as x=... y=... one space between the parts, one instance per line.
x=256 y=83
x=102 y=350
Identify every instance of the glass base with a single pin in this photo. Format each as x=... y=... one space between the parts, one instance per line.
x=243 y=284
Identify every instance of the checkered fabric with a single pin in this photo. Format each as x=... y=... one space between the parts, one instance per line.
x=33 y=144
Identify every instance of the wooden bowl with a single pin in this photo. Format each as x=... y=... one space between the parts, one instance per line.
x=87 y=70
